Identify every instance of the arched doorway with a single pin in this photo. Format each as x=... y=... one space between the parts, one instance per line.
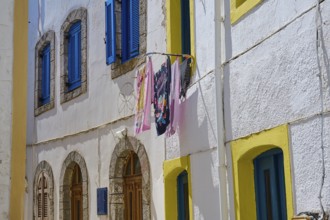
x=74 y=188
x=133 y=188
x=76 y=194
x=129 y=177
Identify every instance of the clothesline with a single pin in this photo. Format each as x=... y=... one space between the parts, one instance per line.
x=165 y=89
x=172 y=54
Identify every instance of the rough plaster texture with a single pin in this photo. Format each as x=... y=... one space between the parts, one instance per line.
x=108 y=100
x=307 y=163
x=281 y=83
x=198 y=117
x=6 y=67
x=204 y=166
x=204 y=34
x=251 y=29
x=276 y=82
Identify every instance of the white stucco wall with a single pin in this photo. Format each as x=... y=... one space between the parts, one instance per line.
x=307 y=163
x=275 y=81
x=6 y=69
x=102 y=104
x=205 y=185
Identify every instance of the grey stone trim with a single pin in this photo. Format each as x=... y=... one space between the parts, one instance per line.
x=47 y=38
x=65 y=184
x=74 y=16
x=44 y=167
x=118 y=68
x=116 y=194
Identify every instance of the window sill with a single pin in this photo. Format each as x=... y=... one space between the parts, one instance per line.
x=44 y=108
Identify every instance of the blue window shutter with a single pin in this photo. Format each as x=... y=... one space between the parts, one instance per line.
x=74 y=56
x=102 y=201
x=130 y=29
x=134 y=28
x=45 y=76
x=110 y=31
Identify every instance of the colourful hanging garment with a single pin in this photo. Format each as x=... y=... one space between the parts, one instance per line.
x=144 y=91
x=161 y=97
x=174 y=98
x=185 y=69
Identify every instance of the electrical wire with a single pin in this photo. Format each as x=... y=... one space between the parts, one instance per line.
x=319 y=33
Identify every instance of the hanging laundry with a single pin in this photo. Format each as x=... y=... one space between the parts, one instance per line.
x=174 y=98
x=185 y=69
x=161 y=96
x=144 y=91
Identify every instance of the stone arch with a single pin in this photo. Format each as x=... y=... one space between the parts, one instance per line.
x=65 y=184
x=45 y=168
x=116 y=180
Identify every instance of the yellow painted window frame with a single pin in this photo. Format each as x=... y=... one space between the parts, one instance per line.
x=172 y=169
x=243 y=151
x=173 y=27
x=237 y=12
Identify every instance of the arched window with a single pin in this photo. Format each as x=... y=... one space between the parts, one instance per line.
x=43 y=192
x=262 y=175
x=43 y=198
x=178 y=193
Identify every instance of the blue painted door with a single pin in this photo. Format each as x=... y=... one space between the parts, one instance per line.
x=270 y=186
x=183 y=196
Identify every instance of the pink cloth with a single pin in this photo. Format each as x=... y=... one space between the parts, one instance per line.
x=144 y=91
x=174 y=98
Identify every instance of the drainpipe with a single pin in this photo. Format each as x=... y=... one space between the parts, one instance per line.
x=219 y=14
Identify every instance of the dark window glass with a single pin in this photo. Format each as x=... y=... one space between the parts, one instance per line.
x=270 y=186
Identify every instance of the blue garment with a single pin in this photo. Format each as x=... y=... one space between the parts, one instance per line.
x=162 y=85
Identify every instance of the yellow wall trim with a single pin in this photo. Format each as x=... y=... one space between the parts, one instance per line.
x=236 y=12
x=244 y=150
x=172 y=168
x=173 y=26
x=18 y=154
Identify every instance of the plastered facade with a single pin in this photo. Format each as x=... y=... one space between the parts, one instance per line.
x=88 y=123
x=6 y=65
x=272 y=79
x=13 y=74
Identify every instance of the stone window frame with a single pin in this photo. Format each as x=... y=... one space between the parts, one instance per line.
x=79 y=14
x=65 y=184
x=44 y=168
x=118 y=68
x=47 y=38
x=116 y=179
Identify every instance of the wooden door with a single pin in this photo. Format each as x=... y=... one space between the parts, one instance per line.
x=133 y=188
x=76 y=195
